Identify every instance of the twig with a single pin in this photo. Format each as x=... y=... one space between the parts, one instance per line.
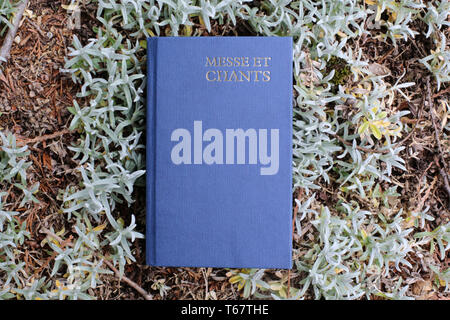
x=380 y=61
x=443 y=171
x=51 y=234
x=444 y=175
x=42 y=138
x=131 y=283
x=421 y=177
x=420 y=49
x=425 y=197
x=440 y=93
x=419 y=118
x=205 y=276
x=299 y=197
x=7 y=43
x=37 y=28
x=348 y=143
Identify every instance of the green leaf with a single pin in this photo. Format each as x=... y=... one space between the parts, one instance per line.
x=382 y=115
x=362 y=128
x=375 y=131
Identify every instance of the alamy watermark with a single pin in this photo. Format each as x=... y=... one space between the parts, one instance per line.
x=229 y=148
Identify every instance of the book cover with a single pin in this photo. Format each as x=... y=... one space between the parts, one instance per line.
x=219 y=152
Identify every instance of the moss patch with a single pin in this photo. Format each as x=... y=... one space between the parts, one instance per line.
x=341 y=68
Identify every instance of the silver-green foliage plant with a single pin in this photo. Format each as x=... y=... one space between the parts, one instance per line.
x=111 y=126
x=353 y=251
x=360 y=245
x=436 y=16
x=440 y=237
x=13 y=166
x=6 y=10
x=442 y=275
x=438 y=62
x=15 y=281
x=400 y=15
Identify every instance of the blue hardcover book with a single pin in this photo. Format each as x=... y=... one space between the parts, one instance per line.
x=219 y=152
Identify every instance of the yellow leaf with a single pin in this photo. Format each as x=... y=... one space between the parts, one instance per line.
x=187 y=31
x=375 y=203
x=375 y=131
x=393 y=16
x=29 y=13
x=143 y=43
x=382 y=115
x=370 y=2
x=379 y=12
x=381 y=123
x=409 y=221
x=364 y=233
x=276 y=286
x=362 y=128
x=61 y=232
x=99 y=228
x=202 y=22
x=235 y=279
x=70 y=7
x=283 y=293
x=338 y=270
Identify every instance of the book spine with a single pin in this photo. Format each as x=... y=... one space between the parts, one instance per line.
x=152 y=56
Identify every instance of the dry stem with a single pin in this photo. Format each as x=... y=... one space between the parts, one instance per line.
x=131 y=283
x=442 y=171
x=7 y=43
